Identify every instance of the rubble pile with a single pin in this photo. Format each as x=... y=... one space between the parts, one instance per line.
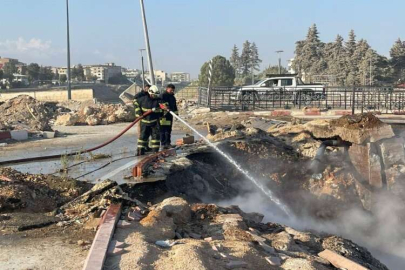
x=96 y=114
x=25 y=112
x=36 y=193
x=208 y=236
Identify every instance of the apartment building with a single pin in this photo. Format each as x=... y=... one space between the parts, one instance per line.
x=180 y=77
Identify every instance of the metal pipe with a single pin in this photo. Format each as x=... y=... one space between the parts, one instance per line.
x=143 y=70
x=145 y=29
x=69 y=87
x=320 y=153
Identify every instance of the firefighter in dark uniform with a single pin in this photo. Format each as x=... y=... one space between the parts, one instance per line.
x=140 y=94
x=149 y=124
x=166 y=122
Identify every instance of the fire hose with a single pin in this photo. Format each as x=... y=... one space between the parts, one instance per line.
x=16 y=161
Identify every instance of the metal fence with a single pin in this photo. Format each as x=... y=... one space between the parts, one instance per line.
x=382 y=99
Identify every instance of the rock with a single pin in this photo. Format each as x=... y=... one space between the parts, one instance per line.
x=112 y=119
x=267 y=248
x=253 y=217
x=302 y=264
x=232 y=233
x=124 y=114
x=67 y=120
x=231 y=220
x=177 y=208
x=214 y=238
x=236 y=264
x=88 y=111
x=273 y=261
x=92 y=120
x=282 y=241
x=158 y=225
x=392 y=151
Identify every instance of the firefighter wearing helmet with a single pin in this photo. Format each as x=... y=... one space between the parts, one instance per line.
x=150 y=123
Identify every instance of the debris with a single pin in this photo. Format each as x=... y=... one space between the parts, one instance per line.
x=166 y=243
x=339 y=261
x=276 y=261
x=236 y=264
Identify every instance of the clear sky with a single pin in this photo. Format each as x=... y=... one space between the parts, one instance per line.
x=186 y=33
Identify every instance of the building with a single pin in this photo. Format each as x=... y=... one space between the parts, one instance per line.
x=102 y=72
x=180 y=77
x=21 y=67
x=160 y=76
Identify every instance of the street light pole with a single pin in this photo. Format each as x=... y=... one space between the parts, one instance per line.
x=145 y=29
x=279 y=60
x=69 y=88
x=143 y=70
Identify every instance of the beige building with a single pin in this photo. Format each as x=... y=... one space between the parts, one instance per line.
x=160 y=76
x=180 y=77
x=21 y=67
x=102 y=72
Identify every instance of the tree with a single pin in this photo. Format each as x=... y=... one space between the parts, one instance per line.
x=223 y=74
x=8 y=70
x=63 y=78
x=235 y=60
x=254 y=57
x=45 y=74
x=397 y=62
x=309 y=58
x=33 y=71
x=271 y=70
x=1 y=74
x=78 y=73
x=245 y=59
x=335 y=55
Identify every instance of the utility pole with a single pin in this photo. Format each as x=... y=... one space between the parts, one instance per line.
x=69 y=88
x=371 y=72
x=145 y=30
x=143 y=70
x=279 y=60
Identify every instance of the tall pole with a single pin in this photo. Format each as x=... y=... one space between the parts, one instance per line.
x=279 y=60
x=145 y=29
x=69 y=88
x=143 y=70
x=371 y=72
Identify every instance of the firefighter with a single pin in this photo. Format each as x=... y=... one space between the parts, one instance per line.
x=140 y=94
x=166 y=122
x=149 y=124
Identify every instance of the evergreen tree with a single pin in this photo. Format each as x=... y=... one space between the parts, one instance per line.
x=235 y=59
x=335 y=55
x=397 y=54
x=245 y=59
x=309 y=54
x=351 y=64
x=223 y=74
x=271 y=70
x=254 y=55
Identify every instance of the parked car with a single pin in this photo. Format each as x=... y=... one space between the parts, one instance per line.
x=286 y=87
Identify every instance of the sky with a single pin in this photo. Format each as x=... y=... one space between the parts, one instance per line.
x=186 y=33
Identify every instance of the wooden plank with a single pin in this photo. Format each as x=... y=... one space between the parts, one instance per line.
x=98 y=251
x=339 y=261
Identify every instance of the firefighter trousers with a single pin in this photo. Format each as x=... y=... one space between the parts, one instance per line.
x=149 y=130
x=166 y=134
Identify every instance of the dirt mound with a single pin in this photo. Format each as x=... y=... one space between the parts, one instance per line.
x=25 y=112
x=358 y=121
x=35 y=193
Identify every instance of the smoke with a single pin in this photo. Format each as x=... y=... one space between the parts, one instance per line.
x=382 y=232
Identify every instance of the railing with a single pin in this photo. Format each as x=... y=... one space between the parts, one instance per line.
x=382 y=99
x=188 y=93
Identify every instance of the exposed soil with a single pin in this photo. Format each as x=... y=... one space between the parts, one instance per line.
x=36 y=193
x=358 y=121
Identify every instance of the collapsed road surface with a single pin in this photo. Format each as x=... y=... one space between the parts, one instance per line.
x=210 y=235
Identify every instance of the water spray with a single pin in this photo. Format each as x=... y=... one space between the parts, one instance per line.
x=266 y=191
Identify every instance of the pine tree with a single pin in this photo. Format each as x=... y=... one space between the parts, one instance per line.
x=335 y=55
x=235 y=60
x=255 y=57
x=245 y=59
x=352 y=68
x=309 y=54
x=397 y=54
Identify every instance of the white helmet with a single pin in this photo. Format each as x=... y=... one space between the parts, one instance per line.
x=153 y=91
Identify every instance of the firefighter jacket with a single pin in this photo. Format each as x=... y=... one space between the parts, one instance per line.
x=146 y=103
x=170 y=101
